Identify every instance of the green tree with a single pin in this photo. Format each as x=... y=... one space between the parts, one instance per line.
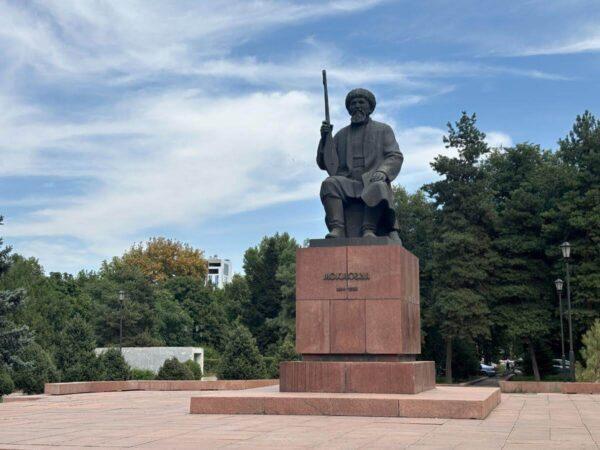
x=204 y=307
x=38 y=370
x=462 y=251
x=236 y=297
x=113 y=365
x=175 y=325
x=50 y=303
x=194 y=368
x=75 y=356
x=521 y=291
x=576 y=217
x=173 y=369
x=590 y=354
x=241 y=359
x=12 y=337
x=6 y=383
x=416 y=214
x=138 y=309
x=270 y=274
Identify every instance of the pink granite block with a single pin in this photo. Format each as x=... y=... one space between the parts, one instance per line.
x=390 y=377
x=384 y=266
x=227 y=405
x=347 y=326
x=311 y=266
x=304 y=376
x=298 y=406
x=313 y=326
x=364 y=406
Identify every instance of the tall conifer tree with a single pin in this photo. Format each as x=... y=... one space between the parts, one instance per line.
x=576 y=218
x=523 y=296
x=462 y=252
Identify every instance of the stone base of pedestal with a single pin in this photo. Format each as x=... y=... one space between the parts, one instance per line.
x=441 y=402
x=357 y=377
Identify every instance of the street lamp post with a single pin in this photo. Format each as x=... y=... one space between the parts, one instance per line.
x=559 y=287
x=121 y=301
x=565 y=247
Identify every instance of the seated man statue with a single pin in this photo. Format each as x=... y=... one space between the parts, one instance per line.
x=361 y=162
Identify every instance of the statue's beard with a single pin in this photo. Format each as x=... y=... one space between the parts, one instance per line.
x=359 y=116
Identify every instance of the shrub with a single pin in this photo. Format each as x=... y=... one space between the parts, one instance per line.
x=195 y=368
x=271 y=367
x=6 y=383
x=39 y=370
x=142 y=374
x=113 y=365
x=241 y=359
x=590 y=354
x=173 y=369
x=285 y=352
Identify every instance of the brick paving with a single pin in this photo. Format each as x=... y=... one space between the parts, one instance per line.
x=156 y=420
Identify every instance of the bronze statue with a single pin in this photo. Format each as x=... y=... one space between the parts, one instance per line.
x=361 y=159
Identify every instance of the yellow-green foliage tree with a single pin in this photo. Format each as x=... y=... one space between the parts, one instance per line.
x=591 y=355
x=160 y=259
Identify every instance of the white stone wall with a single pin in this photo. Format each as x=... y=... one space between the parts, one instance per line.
x=152 y=358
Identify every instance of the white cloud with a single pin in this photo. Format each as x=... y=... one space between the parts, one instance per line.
x=177 y=157
x=498 y=139
x=68 y=37
x=581 y=41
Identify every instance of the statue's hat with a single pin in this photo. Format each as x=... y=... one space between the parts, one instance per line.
x=364 y=93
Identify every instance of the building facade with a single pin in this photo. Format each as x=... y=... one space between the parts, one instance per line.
x=219 y=271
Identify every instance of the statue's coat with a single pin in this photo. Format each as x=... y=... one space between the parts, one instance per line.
x=381 y=153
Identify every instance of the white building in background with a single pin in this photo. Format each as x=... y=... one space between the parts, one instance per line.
x=152 y=358
x=219 y=271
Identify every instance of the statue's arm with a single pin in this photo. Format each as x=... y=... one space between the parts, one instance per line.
x=392 y=156
x=321 y=156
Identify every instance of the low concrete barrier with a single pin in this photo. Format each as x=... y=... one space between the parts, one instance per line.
x=82 y=387
x=580 y=388
x=546 y=387
x=530 y=387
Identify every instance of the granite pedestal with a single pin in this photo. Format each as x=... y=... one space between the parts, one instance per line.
x=357 y=320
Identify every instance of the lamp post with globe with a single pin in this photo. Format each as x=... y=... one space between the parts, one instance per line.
x=565 y=248
x=559 y=287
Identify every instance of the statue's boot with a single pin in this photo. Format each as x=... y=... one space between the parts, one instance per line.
x=334 y=215
x=370 y=220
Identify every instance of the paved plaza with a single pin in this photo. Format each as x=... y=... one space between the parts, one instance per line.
x=138 y=419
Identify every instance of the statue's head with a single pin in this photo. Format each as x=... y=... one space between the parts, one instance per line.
x=360 y=103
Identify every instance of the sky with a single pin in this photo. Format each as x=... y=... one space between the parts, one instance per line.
x=199 y=120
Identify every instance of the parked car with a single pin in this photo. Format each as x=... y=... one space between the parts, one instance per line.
x=558 y=368
x=486 y=370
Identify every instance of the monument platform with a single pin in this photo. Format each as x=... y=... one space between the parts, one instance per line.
x=443 y=402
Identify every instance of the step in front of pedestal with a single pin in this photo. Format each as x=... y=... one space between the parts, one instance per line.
x=441 y=402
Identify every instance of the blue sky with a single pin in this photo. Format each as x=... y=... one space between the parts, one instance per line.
x=198 y=120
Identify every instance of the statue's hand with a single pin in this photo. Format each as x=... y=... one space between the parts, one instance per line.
x=378 y=176
x=326 y=128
